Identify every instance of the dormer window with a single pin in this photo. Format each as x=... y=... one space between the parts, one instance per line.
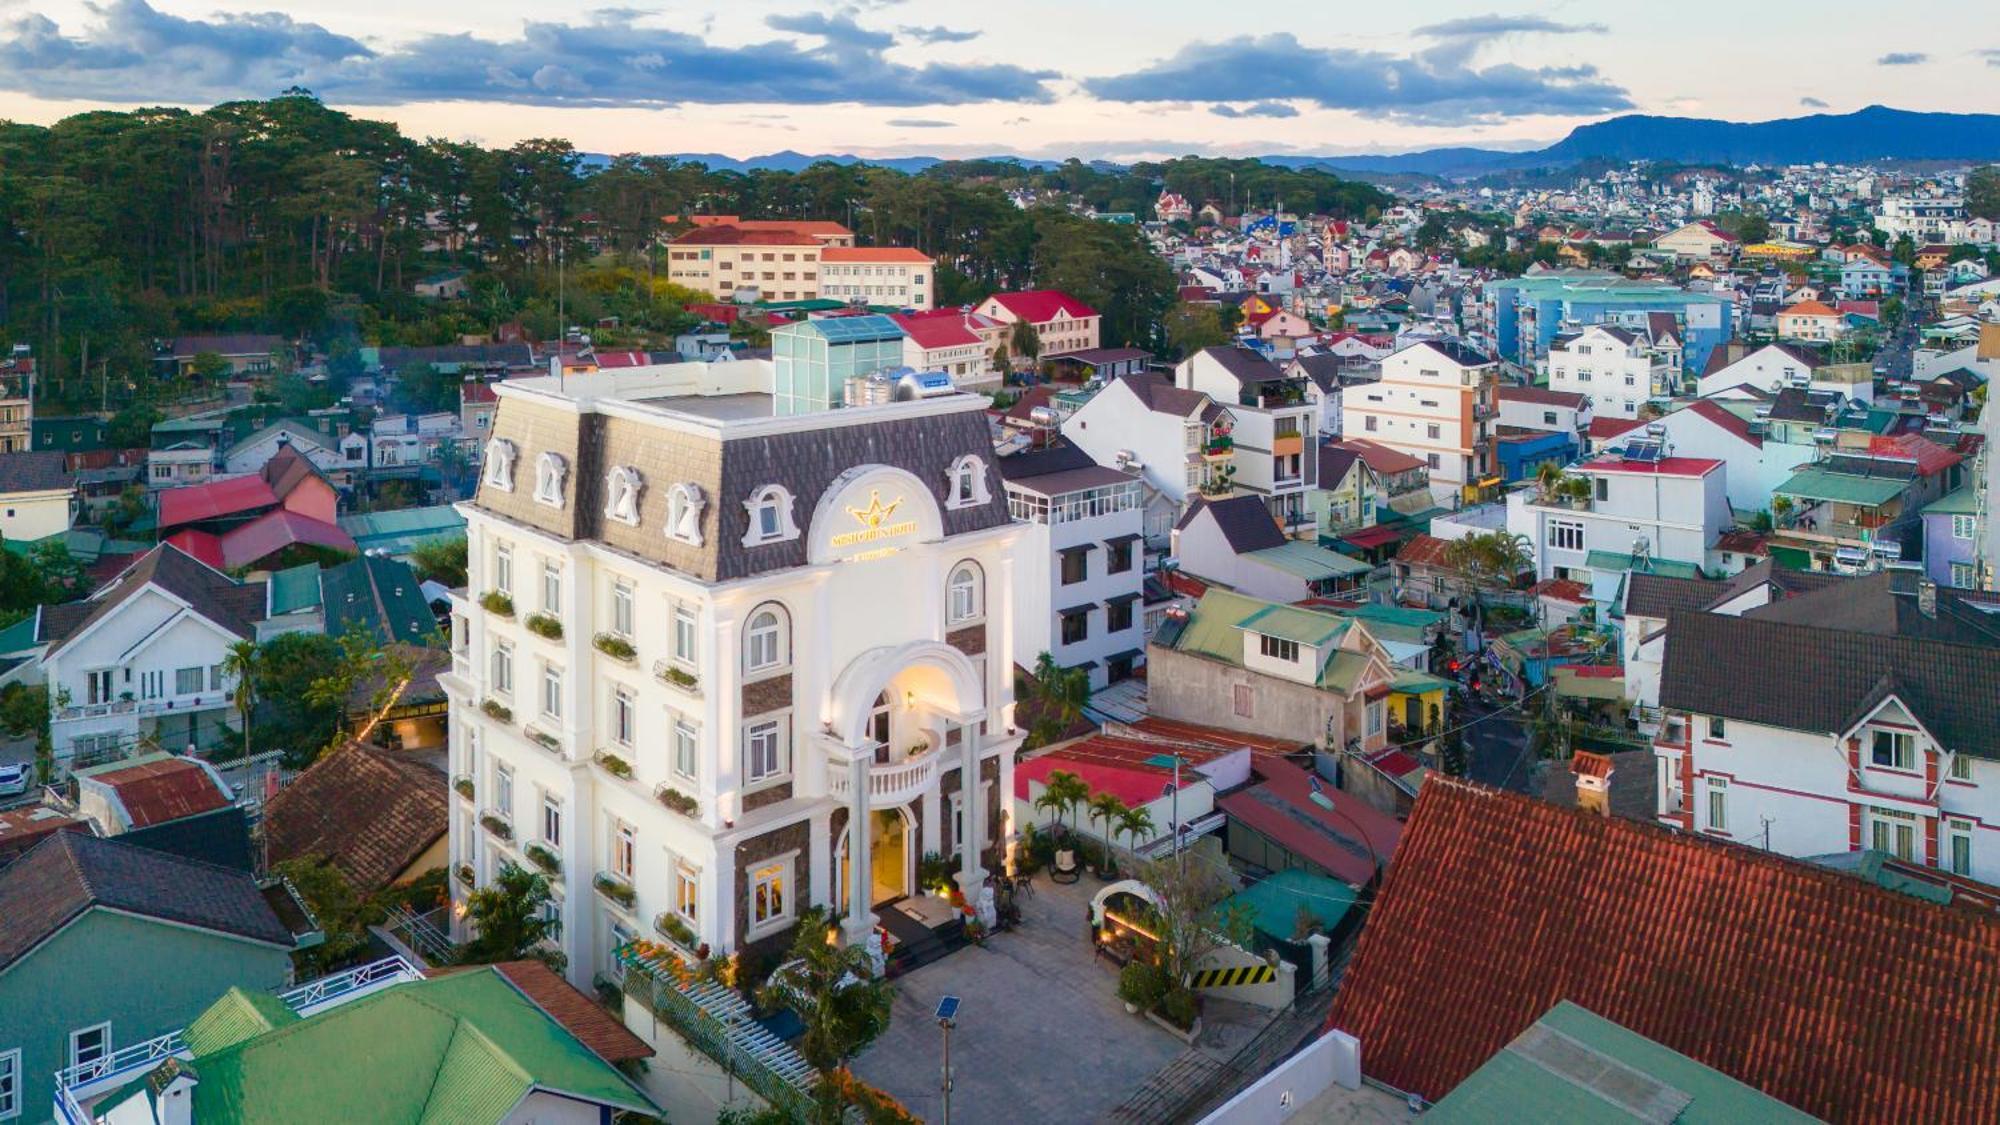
x=621 y=495
x=550 y=472
x=1894 y=750
x=500 y=464
x=684 y=505
x=1278 y=648
x=770 y=512
x=968 y=483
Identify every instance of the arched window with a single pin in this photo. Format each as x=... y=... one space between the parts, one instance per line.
x=621 y=494
x=550 y=471
x=965 y=594
x=684 y=504
x=770 y=512
x=500 y=464
x=767 y=642
x=967 y=482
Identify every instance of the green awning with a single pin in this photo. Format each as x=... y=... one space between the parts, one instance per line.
x=1842 y=488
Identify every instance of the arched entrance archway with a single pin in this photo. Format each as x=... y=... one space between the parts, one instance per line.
x=893 y=847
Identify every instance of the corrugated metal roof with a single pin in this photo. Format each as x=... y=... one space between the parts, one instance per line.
x=1305 y=560
x=294 y=589
x=1842 y=488
x=1302 y=625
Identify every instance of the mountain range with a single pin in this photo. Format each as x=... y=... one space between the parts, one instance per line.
x=1876 y=133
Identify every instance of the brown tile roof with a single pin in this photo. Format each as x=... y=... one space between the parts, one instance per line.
x=580 y=1015
x=369 y=812
x=1381 y=458
x=235 y=606
x=1542 y=396
x=1653 y=595
x=40 y=471
x=163 y=789
x=1842 y=999
x=1806 y=678
x=70 y=872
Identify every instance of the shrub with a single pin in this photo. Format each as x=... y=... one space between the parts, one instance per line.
x=1141 y=984
x=674 y=928
x=464 y=787
x=615 y=765
x=544 y=625
x=465 y=873
x=1180 y=1007
x=679 y=676
x=615 y=646
x=495 y=601
x=541 y=856
x=676 y=800
x=497 y=710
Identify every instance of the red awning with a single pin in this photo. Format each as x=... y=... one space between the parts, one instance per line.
x=1377 y=536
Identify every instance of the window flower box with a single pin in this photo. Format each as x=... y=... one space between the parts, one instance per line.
x=544 y=625
x=615 y=647
x=495 y=601
x=673 y=675
x=615 y=765
x=497 y=825
x=677 y=801
x=675 y=929
x=464 y=787
x=615 y=889
x=544 y=857
x=497 y=710
x=465 y=874
x=544 y=739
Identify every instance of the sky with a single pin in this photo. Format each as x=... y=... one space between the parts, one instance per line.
x=1114 y=79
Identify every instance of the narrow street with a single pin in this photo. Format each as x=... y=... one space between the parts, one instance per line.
x=1496 y=743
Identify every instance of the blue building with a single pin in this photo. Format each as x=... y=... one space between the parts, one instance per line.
x=1521 y=454
x=1527 y=313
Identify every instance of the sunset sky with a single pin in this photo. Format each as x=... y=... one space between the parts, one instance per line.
x=1033 y=77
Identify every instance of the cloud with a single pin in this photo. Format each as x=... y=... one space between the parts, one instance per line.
x=929 y=36
x=1436 y=86
x=1902 y=58
x=919 y=123
x=1487 y=26
x=1258 y=109
x=1812 y=103
x=131 y=50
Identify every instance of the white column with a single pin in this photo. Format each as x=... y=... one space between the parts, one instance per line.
x=819 y=862
x=860 y=871
x=933 y=831
x=970 y=874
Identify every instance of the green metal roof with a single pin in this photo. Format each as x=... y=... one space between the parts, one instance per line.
x=1343 y=671
x=239 y=1016
x=399 y=532
x=1302 y=625
x=1573 y=1066
x=1842 y=488
x=1272 y=903
x=1960 y=503
x=1308 y=561
x=382 y=596
x=18 y=637
x=1215 y=629
x=460 y=1048
x=294 y=589
x=1619 y=560
x=1409 y=681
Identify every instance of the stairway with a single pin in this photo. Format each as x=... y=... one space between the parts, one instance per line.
x=918 y=945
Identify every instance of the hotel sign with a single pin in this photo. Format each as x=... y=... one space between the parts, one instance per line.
x=878 y=523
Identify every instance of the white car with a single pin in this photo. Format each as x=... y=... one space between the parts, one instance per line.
x=13 y=779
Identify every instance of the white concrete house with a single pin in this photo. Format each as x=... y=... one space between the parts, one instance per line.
x=1668 y=508
x=1085 y=529
x=1612 y=365
x=38 y=495
x=1435 y=402
x=1180 y=441
x=1275 y=432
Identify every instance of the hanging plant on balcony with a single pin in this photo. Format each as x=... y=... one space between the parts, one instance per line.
x=495 y=601
x=497 y=710
x=543 y=857
x=615 y=889
x=548 y=741
x=464 y=787
x=615 y=765
x=615 y=647
x=544 y=625
x=492 y=823
x=676 y=800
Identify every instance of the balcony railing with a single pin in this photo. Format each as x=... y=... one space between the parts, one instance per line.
x=889 y=784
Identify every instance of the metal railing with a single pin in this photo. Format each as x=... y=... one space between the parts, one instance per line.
x=428 y=939
x=318 y=993
x=717 y=1022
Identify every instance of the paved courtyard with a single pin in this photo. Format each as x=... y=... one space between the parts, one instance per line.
x=1042 y=1035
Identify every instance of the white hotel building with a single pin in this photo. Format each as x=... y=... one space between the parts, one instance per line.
x=744 y=620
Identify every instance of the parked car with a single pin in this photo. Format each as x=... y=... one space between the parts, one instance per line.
x=13 y=779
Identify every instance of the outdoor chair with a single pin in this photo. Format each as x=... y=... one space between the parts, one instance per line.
x=1065 y=869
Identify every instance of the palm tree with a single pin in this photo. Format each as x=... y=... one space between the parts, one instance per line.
x=1134 y=823
x=1547 y=476
x=1057 y=697
x=1062 y=793
x=1490 y=558
x=243 y=664
x=1108 y=808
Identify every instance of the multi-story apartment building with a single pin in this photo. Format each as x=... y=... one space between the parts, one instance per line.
x=1180 y=441
x=1062 y=323
x=729 y=651
x=780 y=265
x=1613 y=366
x=1274 y=434
x=1436 y=401
x=17 y=401
x=896 y=276
x=1641 y=505
x=1935 y=219
x=1855 y=717
x=1524 y=315
x=1083 y=561
x=956 y=341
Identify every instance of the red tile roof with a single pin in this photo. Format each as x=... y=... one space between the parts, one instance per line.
x=1840 y=998
x=1807 y=308
x=737 y=236
x=1741 y=542
x=476 y=391
x=1726 y=420
x=1380 y=458
x=943 y=328
x=274 y=531
x=1186 y=585
x=370 y=813
x=897 y=254
x=580 y=1015
x=1350 y=841
x=1561 y=589
x=1931 y=458
x=1040 y=306
x=196 y=502
x=1602 y=429
x=164 y=789
x=1542 y=396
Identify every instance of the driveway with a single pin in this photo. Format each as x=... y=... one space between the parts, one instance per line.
x=1041 y=1035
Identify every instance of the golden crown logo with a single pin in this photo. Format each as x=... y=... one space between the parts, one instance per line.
x=876 y=512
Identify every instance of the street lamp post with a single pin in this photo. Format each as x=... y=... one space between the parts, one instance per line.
x=947 y=1018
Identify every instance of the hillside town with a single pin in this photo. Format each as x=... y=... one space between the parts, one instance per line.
x=1490 y=649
